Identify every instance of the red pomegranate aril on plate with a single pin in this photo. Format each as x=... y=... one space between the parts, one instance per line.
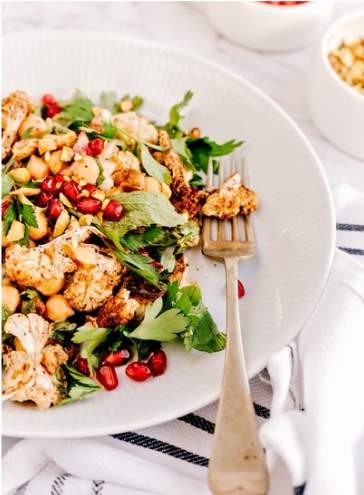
x=139 y=371
x=49 y=100
x=43 y=198
x=88 y=205
x=241 y=290
x=55 y=208
x=52 y=110
x=90 y=188
x=49 y=184
x=114 y=211
x=95 y=147
x=4 y=206
x=117 y=358
x=107 y=376
x=70 y=190
x=82 y=365
x=158 y=362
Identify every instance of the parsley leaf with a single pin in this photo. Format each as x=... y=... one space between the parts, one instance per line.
x=203 y=148
x=7 y=183
x=163 y=327
x=154 y=168
x=173 y=126
x=93 y=336
x=77 y=385
x=108 y=101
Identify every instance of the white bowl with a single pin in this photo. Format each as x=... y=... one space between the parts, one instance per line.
x=336 y=108
x=261 y=26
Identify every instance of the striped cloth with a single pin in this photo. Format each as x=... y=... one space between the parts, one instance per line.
x=172 y=458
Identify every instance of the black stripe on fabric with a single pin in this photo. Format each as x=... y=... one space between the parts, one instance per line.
x=22 y=489
x=261 y=411
x=359 y=252
x=57 y=487
x=163 y=447
x=350 y=226
x=299 y=490
x=97 y=487
x=198 y=422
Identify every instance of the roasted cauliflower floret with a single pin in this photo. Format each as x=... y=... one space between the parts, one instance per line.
x=90 y=288
x=33 y=267
x=229 y=199
x=127 y=175
x=14 y=109
x=183 y=197
x=30 y=373
x=137 y=125
x=117 y=310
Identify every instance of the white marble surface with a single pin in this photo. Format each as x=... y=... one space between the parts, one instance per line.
x=282 y=76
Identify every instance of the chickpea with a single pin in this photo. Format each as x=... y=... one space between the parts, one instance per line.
x=39 y=232
x=38 y=125
x=58 y=308
x=51 y=286
x=10 y=297
x=38 y=167
x=4 y=239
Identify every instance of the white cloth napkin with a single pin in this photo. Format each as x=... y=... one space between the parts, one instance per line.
x=313 y=432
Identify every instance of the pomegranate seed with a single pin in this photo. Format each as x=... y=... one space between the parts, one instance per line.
x=95 y=147
x=114 y=211
x=82 y=365
x=49 y=100
x=52 y=110
x=139 y=371
x=70 y=190
x=143 y=252
x=158 y=363
x=89 y=205
x=49 y=184
x=107 y=376
x=4 y=206
x=55 y=208
x=43 y=198
x=90 y=188
x=241 y=290
x=117 y=358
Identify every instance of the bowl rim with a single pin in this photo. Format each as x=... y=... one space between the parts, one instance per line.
x=323 y=52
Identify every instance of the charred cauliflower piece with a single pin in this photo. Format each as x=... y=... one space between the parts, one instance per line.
x=91 y=286
x=30 y=373
x=127 y=175
x=137 y=125
x=117 y=310
x=33 y=267
x=229 y=199
x=183 y=197
x=14 y=109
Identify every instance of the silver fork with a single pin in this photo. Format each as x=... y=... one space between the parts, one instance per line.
x=237 y=462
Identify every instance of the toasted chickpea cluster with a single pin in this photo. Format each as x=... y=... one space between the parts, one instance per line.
x=348 y=62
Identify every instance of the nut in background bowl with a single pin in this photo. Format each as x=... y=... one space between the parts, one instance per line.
x=265 y=27
x=336 y=108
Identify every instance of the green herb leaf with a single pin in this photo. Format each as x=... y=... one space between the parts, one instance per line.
x=154 y=168
x=63 y=332
x=11 y=214
x=203 y=148
x=109 y=101
x=163 y=327
x=93 y=336
x=7 y=183
x=202 y=333
x=27 y=214
x=173 y=126
x=5 y=313
x=143 y=209
x=77 y=385
x=27 y=133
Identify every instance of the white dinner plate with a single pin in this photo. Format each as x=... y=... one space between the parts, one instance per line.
x=294 y=224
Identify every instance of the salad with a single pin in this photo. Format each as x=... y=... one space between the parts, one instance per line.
x=99 y=207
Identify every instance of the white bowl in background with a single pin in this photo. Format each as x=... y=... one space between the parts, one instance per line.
x=336 y=108
x=266 y=27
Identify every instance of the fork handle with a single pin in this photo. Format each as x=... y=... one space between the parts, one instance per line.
x=237 y=462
